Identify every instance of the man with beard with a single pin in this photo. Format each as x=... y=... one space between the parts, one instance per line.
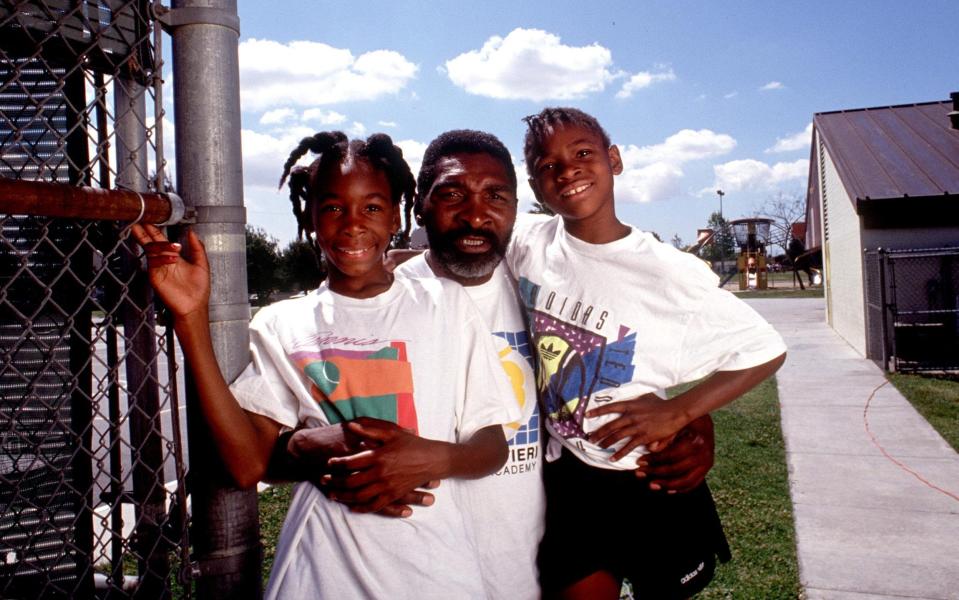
x=467 y=203
x=466 y=200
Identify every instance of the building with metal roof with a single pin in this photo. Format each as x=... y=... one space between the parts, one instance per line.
x=883 y=180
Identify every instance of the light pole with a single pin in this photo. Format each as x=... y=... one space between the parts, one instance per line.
x=722 y=235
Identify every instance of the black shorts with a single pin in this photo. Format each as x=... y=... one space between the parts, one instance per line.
x=605 y=520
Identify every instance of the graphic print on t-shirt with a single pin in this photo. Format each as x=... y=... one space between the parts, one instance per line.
x=517 y=343
x=574 y=363
x=361 y=383
x=513 y=348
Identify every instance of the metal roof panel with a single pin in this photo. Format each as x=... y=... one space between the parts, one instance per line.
x=893 y=152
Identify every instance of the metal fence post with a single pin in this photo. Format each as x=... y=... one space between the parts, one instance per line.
x=139 y=332
x=225 y=530
x=890 y=309
x=885 y=332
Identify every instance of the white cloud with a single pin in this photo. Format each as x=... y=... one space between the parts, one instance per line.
x=280 y=116
x=310 y=73
x=683 y=146
x=532 y=64
x=655 y=172
x=390 y=124
x=750 y=174
x=772 y=85
x=264 y=155
x=324 y=117
x=277 y=116
x=356 y=130
x=412 y=153
x=796 y=141
x=644 y=79
x=525 y=198
x=730 y=95
x=658 y=181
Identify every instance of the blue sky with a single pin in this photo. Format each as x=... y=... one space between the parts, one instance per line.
x=698 y=95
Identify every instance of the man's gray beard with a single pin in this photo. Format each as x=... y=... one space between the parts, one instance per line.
x=481 y=266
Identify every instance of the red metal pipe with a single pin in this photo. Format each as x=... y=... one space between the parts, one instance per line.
x=45 y=199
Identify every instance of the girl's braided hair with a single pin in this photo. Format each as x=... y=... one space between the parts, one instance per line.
x=541 y=125
x=334 y=147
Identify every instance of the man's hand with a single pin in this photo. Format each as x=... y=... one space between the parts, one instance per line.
x=680 y=465
x=641 y=421
x=403 y=507
x=388 y=475
x=304 y=454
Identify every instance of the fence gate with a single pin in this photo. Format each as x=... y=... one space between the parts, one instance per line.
x=912 y=308
x=92 y=494
x=877 y=338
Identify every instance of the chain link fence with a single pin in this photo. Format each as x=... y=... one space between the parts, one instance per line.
x=912 y=309
x=92 y=475
x=875 y=308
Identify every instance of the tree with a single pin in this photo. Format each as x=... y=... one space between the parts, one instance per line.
x=677 y=242
x=300 y=269
x=262 y=265
x=723 y=246
x=785 y=210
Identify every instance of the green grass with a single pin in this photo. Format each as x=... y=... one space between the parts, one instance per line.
x=751 y=489
x=784 y=278
x=131 y=568
x=936 y=399
x=273 y=505
x=780 y=292
x=781 y=285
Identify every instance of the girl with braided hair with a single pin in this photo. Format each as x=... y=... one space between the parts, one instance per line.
x=378 y=148
x=359 y=356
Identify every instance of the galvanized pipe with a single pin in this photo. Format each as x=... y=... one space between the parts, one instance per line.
x=130 y=132
x=225 y=531
x=145 y=433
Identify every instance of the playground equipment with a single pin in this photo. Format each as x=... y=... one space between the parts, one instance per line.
x=752 y=237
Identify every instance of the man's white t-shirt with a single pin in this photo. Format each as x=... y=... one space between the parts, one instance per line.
x=506 y=508
x=614 y=321
x=418 y=355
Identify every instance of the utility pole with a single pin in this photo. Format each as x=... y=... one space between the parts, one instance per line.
x=722 y=235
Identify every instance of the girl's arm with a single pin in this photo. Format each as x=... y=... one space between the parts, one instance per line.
x=650 y=418
x=370 y=480
x=245 y=440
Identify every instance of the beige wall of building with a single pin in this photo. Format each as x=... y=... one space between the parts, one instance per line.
x=842 y=257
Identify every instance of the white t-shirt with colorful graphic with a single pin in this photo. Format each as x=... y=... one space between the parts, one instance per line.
x=507 y=508
x=418 y=355
x=614 y=321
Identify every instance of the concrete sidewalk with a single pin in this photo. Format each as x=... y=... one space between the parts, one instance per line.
x=875 y=489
